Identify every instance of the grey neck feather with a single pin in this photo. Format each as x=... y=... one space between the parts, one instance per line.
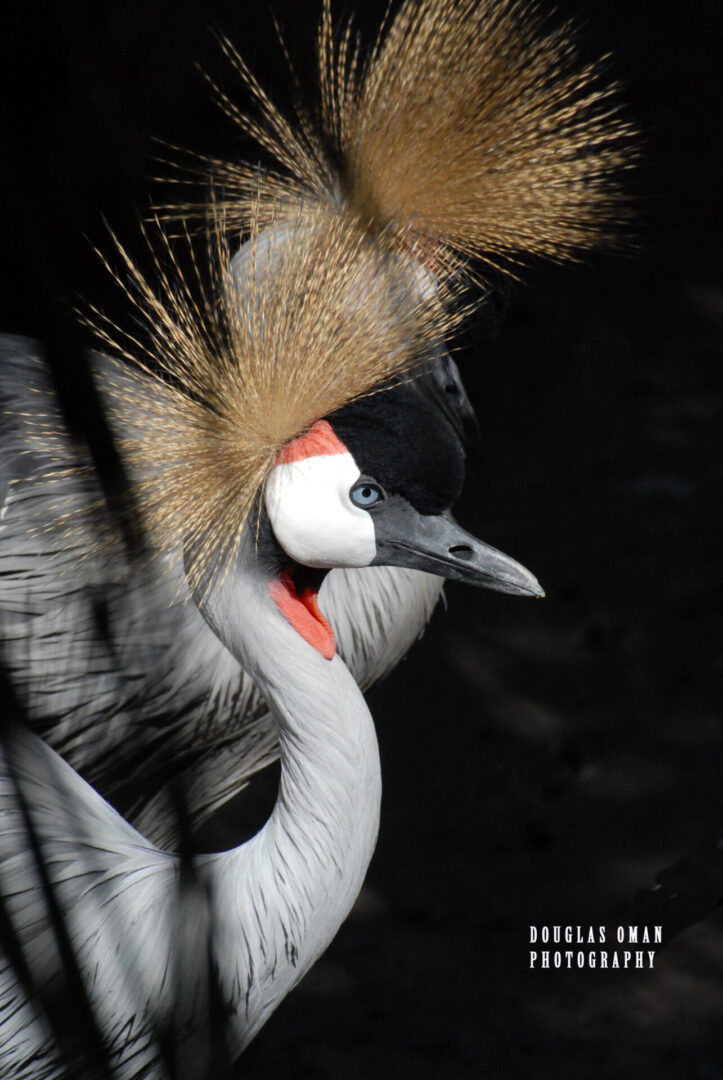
x=284 y=894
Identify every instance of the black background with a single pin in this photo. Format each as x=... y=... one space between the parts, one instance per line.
x=543 y=762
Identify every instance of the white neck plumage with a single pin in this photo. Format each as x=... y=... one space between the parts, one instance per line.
x=282 y=896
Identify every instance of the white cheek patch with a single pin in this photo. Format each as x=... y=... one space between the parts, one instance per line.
x=312 y=515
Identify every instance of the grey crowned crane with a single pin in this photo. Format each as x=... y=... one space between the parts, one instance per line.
x=469 y=132
x=357 y=487
x=285 y=435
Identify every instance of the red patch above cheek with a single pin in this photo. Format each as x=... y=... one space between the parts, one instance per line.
x=320 y=439
x=301 y=608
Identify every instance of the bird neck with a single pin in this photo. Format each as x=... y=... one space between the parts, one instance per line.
x=283 y=895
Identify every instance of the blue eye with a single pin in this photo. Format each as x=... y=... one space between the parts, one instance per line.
x=366 y=494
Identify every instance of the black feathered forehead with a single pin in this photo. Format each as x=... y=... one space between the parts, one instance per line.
x=401 y=439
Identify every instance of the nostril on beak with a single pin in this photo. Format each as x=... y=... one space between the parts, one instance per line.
x=461 y=551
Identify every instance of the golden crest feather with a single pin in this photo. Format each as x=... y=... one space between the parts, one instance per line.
x=470 y=125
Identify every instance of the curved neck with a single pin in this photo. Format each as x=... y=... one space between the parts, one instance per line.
x=282 y=896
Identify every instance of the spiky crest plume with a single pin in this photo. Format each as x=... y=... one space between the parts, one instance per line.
x=240 y=373
x=469 y=131
x=470 y=125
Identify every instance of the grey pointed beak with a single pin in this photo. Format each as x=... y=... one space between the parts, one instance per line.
x=437 y=544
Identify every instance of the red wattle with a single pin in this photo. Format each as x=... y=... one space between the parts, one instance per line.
x=303 y=612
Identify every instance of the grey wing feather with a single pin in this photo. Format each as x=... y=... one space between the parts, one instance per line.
x=89 y=853
x=114 y=664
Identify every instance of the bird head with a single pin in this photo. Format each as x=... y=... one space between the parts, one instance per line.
x=373 y=485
